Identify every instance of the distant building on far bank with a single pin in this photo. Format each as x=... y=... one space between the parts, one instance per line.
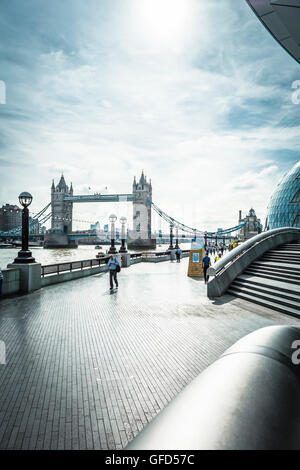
x=34 y=226
x=253 y=225
x=10 y=217
x=95 y=226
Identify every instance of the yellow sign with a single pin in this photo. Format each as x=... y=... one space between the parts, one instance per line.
x=195 y=263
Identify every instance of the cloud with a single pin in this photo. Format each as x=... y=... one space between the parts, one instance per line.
x=94 y=93
x=252 y=180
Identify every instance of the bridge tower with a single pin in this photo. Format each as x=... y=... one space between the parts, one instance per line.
x=61 y=210
x=140 y=236
x=61 y=223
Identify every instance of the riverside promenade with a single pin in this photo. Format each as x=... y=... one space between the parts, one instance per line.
x=87 y=369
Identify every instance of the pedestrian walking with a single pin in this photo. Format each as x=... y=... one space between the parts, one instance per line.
x=114 y=267
x=178 y=254
x=218 y=257
x=206 y=264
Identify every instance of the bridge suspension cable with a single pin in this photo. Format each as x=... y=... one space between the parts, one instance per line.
x=185 y=228
x=174 y=222
x=36 y=216
x=35 y=220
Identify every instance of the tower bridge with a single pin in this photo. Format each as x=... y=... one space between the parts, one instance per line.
x=63 y=198
x=61 y=235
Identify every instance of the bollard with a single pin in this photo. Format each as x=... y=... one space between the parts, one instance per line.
x=249 y=399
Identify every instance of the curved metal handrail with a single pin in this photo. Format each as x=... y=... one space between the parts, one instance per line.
x=239 y=250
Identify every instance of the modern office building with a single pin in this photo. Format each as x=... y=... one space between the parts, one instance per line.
x=284 y=206
x=282 y=20
x=10 y=217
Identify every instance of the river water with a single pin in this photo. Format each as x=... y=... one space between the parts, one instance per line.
x=52 y=256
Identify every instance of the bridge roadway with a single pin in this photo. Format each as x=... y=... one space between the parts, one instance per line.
x=100 y=198
x=87 y=369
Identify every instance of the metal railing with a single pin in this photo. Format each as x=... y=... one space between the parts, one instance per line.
x=155 y=254
x=59 y=268
x=150 y=254
x=136 y=255
x=230 y=257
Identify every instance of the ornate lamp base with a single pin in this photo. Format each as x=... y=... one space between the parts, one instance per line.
x=24 y=257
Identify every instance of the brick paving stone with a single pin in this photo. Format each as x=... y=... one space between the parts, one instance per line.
x=87 y=369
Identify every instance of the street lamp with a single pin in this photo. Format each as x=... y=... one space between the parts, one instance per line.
x=205 y=240
x=171 y=237
x=112 y=219
x=176 y=237
x=25 y=256
x=123 y=221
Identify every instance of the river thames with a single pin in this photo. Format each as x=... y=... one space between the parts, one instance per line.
x=52 y=256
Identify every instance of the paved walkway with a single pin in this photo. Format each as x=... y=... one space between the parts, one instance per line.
x=87 y=369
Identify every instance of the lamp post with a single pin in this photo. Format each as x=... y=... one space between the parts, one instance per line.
x=171 y=238
x=123 y=221
x=112 y=219
x=25 y=256
x=205 y=241
x=176 y=238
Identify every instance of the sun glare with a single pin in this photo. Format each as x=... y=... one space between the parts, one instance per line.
x=163 y=23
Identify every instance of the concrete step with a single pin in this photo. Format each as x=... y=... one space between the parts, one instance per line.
x=265 y=290
x=274 y=284
x=290 y=244
x=287 y=247
x=275 y=265
x=280 y=260
x=280 y=266
x=267 y=294
x=272 y=281
x=286 y=272
x=282 y=303
x=283 y=254
x=295 y=246
x=289 y=250
x=274 y=272
x=295 y=312
x=292 y=248
x=274 y=276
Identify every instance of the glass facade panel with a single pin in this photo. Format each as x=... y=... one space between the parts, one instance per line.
x=284 y=206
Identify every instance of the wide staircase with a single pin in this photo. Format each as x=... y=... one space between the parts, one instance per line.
x=273 y=280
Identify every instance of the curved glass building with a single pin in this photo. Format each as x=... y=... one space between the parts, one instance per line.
x=281 y=18
x=284 y=206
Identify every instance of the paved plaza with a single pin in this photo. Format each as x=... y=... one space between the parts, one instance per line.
x=87 y=369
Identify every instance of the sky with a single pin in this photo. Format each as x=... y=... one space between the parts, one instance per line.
x=194 y=92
